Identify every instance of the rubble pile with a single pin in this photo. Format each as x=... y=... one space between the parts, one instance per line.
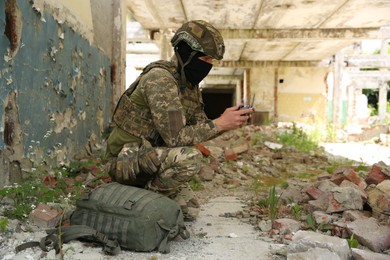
x=345 y=201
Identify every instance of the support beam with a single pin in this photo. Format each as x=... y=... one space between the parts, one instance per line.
x=378 y=75
x=302 y=34
x=368 y=61
x=223 y=77
x=268 y=63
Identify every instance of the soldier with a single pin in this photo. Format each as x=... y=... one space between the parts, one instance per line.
x=160 y=117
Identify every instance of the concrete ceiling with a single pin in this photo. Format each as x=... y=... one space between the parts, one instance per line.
x=270 y=32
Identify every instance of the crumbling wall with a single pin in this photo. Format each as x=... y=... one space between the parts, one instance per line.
x=291 y=94
x=55 y=90
x=302 y=94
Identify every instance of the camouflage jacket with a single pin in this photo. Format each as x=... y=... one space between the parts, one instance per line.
x=156 y=109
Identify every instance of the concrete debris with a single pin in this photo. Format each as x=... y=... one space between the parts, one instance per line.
x=370 y=233
x=359 y=254
x=305 y=240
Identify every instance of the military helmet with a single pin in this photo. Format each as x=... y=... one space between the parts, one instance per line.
x=202 y=37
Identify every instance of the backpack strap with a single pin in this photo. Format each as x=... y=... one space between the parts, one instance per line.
x=69 y=233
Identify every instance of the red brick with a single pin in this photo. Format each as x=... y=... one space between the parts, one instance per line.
x=45 y=216
x=206 y=152
x=314 y=193
x=376 y=176
x=353 y=177
x=230 y=155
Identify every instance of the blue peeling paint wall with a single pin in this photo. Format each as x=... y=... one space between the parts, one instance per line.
x=60 y=83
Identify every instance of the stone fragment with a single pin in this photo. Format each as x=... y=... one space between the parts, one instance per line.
x=304 y=240
x=326 y=186
x=359 y=254
x=370 y=234
x=206 y=173
x=379 y=197
x=347 y=183
x=240 y=148
x=352 y=215
x=322 y=218
x=320 y=204
x=286 y=225
x=265 y=225
x=344 y=198
x=314 y=253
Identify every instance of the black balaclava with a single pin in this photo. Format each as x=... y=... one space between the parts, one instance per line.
x=195 y=70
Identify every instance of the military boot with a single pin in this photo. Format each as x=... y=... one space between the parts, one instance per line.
x=188 y=203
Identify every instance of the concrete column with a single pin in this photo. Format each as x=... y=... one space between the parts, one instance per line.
x=246 y=90
x=382 y=102
x=165 y=45
x=239 y=92
x=338 y=93
x=118 y=64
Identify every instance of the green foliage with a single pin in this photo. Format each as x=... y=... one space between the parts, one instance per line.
x=271 y=203
x=284 y=185
x=3 y=224
x=311 y=222
x=331 y=135
x=245 y=168
x=352 y=242
x=27 y=196
x=296 y=211
x=196 y=184
x=257 y=139
x=298 y=138
x=256 y=185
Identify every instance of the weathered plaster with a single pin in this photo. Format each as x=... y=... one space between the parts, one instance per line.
x=55 y=91
x=78 y=16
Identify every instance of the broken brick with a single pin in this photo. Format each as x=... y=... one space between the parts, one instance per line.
x=353 y=177
x=376 y=174
x=45 y=216
x=230 y=155
x=314 y=193
x=206 y=152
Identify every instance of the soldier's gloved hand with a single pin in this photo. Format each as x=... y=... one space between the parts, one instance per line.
x=148 y=160
x=127 y=164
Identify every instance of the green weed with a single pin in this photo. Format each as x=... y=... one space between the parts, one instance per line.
x=312 y=224
x=257 y=139
x=271 y=203
x=3 y=224
x=297 y=138
x=352 y=242
x=196 y=185
x=296 y=211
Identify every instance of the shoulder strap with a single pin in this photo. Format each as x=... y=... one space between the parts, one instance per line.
x=168 y=65
x=69 y=233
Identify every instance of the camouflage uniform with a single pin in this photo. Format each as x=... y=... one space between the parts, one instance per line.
x=159 y=118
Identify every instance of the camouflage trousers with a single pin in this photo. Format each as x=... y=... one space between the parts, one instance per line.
x=170 y=171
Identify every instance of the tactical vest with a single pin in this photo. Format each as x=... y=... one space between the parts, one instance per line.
x=136 y=119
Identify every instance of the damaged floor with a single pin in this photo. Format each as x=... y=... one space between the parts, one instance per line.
x=234 y=222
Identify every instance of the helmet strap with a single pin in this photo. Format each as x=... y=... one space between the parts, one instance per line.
x=183 y=80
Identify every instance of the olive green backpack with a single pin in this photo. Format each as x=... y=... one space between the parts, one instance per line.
x=120 y=216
